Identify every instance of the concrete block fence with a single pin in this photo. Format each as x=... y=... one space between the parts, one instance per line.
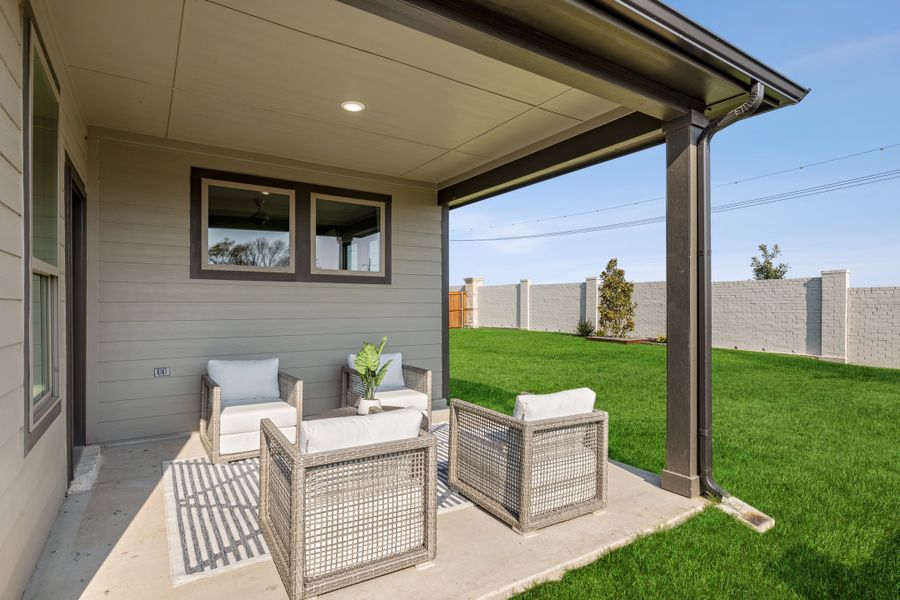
x=815 y=316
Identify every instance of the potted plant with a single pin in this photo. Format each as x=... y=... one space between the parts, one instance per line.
x=372 y=372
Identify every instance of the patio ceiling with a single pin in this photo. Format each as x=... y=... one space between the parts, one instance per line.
x=269 y=77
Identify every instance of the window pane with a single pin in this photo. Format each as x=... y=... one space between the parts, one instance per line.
x=348 y=236
x=44 y=166
x=248 y=228
x=40 y=336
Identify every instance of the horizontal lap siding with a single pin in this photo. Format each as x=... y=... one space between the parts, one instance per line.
x=151 y=314
x=33 y=485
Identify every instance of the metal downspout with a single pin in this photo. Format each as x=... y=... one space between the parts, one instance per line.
x=704 y=297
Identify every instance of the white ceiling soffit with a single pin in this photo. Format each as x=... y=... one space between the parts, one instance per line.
x=269 y=77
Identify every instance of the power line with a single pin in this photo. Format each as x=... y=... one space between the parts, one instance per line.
x=719 y=185
x=834 y=186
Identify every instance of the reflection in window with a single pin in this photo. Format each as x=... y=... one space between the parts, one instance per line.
x=44 y=165
x=348 y=235
x=40 y=338
x=249 y=228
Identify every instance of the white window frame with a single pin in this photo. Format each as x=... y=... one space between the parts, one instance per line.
x=314 y=197
x=204 y=226
x=43 y=409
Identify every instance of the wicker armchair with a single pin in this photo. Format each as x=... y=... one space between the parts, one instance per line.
x=529 y=474
x=335 y=518
x=415 y=378
x=290 y=390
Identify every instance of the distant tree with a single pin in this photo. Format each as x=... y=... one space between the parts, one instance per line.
x=764 y=266
x=616 y=310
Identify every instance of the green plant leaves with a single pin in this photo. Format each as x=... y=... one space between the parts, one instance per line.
x=368 y=365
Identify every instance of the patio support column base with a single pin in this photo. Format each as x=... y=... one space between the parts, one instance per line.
x=682 y=485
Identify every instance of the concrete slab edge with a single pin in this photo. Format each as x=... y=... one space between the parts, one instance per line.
x=755 y=519
x=86 y=471
x=556 y=572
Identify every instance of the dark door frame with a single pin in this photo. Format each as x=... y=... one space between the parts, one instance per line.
x=76 y=306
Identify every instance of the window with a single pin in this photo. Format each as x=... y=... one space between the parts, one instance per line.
x=255 y=228
x=247 y=227
x=347 y=233
x=42 y=223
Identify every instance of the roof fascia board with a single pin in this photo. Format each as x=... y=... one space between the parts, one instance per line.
x=501 y=39
x=695 y=40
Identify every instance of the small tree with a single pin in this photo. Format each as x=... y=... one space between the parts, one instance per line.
x=616 y=310
x=764 y=266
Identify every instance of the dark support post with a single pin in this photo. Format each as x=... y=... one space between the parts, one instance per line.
x=681 y=474
x=445 y=302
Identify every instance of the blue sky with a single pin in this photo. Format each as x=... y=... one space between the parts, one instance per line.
x=849 y=54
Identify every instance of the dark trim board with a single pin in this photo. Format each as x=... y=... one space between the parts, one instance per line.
x=76 y=290
x=302 y=241
x=445 y=301
x=625 y=135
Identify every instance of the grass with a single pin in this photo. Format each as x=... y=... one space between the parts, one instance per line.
x=814 y=444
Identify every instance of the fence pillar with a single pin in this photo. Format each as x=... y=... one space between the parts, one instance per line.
x=591 y=299
x=524 y=311
x=834 y=314
x=472 y=286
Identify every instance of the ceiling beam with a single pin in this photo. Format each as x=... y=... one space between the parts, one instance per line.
x=625 y=135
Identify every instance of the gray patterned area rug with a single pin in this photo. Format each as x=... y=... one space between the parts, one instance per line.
x=211 y=512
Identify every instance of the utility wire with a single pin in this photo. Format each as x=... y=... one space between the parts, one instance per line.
x=720 y=185
x=834 y=186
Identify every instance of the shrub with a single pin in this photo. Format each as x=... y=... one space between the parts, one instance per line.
x=616 y=310
x=584 y=328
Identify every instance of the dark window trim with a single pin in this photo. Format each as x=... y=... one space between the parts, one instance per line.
x=302 y=240
x=31 y=436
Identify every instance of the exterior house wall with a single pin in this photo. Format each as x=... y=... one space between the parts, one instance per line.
x=817 y=316
x=150 y=313
x=874 y=324
x=33 y=484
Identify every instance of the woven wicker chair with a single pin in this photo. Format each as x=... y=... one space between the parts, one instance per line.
x=290 y=390
x=529 y=474
x=335 y=518
x=415 y=378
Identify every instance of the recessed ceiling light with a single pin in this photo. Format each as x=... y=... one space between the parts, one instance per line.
x=265 y=193
x=353 y=106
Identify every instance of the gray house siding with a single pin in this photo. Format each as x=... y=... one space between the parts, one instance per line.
x=150 y=313
x=33 y=484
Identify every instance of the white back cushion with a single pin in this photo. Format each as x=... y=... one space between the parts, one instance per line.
x=320 y=435
x=393 y=378
x=534 y=407
x=243 y=379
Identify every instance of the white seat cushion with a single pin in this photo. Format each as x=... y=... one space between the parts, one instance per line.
x=320 y=435
x=249 y=441
x=393 y=378
x=242 y=416
x=239 y=379
x=403 y=397
x=534 y=407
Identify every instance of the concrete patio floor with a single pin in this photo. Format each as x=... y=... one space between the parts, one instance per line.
x=111 y=542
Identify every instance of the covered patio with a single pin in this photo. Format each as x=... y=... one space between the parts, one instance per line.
x=342 y=133
x=111 y=542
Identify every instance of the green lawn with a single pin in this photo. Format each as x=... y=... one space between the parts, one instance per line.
x=814 y=444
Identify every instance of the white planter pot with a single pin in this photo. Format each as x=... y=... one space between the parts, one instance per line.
x=365 y=406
